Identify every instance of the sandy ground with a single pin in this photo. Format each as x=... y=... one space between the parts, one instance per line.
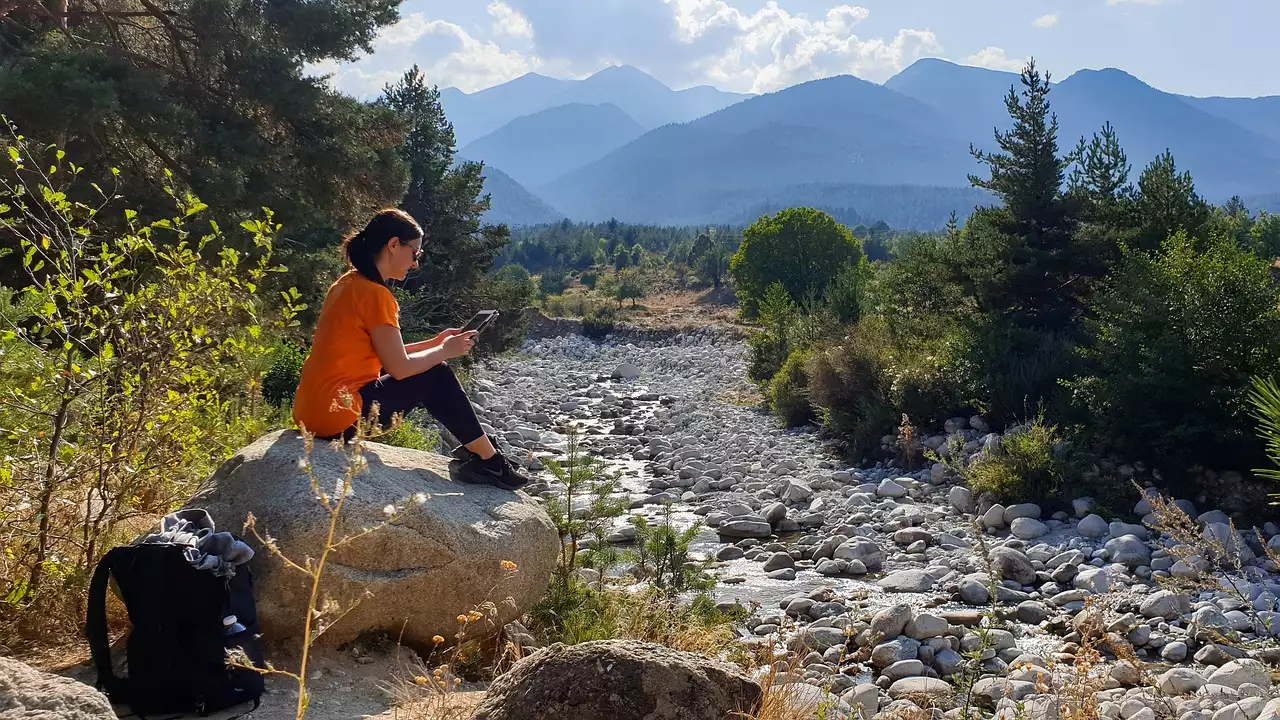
x=342 y=687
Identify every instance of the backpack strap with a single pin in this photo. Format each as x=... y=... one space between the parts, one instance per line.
x=96 y=629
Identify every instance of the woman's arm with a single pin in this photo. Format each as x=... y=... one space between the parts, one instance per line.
x=401 y=361
x=433 y=342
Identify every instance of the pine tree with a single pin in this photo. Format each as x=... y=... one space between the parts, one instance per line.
x=448 y=200
x=1167 y=203
x=1100 y=178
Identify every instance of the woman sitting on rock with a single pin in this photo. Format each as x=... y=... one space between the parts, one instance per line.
x=358 y=349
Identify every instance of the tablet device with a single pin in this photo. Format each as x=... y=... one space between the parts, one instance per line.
x=480 y=320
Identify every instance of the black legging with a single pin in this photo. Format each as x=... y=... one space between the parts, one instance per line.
x=437 y=391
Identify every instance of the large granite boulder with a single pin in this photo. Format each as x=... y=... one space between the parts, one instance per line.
x=619 y=680
x=442 y=556
x=28 y=694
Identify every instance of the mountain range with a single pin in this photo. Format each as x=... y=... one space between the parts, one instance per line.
x=620 y=144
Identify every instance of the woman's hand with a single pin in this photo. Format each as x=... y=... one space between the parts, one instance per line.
x=458 y=343
x=443 y=335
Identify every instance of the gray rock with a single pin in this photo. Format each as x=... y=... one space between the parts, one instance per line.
x=817 y=638
x=973 y=592
x=1025 y=528
x=888 y=653
x=745 y=529
x=914 y=580
x=863 y=550
x=903 y=669
x=1095 y=580
x=28 y=694
x=1129 y=550
x=864 y=699
x=890 y=489
x=891 y=621
x=924 y=692
x=1179 y=681
x=626 y=371
x=1031 y=611
x=729 y=552
x=1165 y=604
x=779 y=561
x=441 y=556
x=948 y=662
x=616 y=680
x=961 y=499
x=1021 y=510
x=926 y=625
x=775 y=513
x=805 y=700
x=1238 y=672
x=994 y=517
x=1013 y=565
x=1174 y=652
x=1093 y=526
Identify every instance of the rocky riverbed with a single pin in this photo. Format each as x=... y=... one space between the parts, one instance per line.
x=878 y=579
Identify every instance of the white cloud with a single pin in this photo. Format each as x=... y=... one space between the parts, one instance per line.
x=446 y=53
x=773 y=48
x=1046 y=21
x=509 y=21
x=994 y=58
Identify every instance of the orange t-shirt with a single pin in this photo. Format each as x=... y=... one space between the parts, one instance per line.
x=342 y=353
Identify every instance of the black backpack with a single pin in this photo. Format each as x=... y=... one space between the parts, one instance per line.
x=177 y=647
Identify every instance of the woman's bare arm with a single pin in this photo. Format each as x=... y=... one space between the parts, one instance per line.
x=401 y=361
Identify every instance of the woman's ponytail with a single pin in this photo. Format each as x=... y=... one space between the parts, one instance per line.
x=362 y=248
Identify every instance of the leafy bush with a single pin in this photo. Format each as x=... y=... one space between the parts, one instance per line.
x=789 y=391
x=414 y=432
x=1016 y=370
x=589 y=279
x=800 y=248
x=1177 y=341
x=847 y=292
x=1029 y=465
x=861 y=383
x=281 y=380
x=140 y=363
x=551 y=282
x=598 y=322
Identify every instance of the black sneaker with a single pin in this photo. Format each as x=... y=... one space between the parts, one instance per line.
x=467 y=467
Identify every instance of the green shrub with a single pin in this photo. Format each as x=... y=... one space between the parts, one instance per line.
x=861 y=383
x=767 y=348
x=847 y=292
x=789 y=391
x=1014 y=370
x=1029 y=465
x=1177 y=341
x=598 y=322
x=551 y=282
x=414 y=432
x=589 y=279
x=281 y=380
x=800 y=248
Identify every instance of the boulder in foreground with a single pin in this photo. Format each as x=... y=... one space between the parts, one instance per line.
x=619 y=680
x=442 y=557
x=28 y=694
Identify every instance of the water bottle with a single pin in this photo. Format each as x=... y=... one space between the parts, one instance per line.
x=231 y=625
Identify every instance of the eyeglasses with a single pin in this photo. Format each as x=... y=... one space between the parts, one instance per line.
x=417 y=251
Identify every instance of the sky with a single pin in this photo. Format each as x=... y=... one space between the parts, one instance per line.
x=1190 y=47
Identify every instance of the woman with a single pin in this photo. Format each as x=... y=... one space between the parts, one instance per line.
x=358 y=337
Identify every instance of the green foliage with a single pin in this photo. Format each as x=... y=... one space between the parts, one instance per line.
x=1166 y=204
x=1016 y=369
x=709 y=255
x=139 y=369
x=1031 y=464
x=801 y=249
x=584 y=506
x=767 y=348
x=1264 y=398
x=448 y=199
x=551 y=282
x=847 y=292
x=862 y=382
x=788 y=391
x=598 y=322
x=662 y=555
x=281 y=380
x=1176 y=342
x=632 y=285
x=215 y=92
x=413 y=432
